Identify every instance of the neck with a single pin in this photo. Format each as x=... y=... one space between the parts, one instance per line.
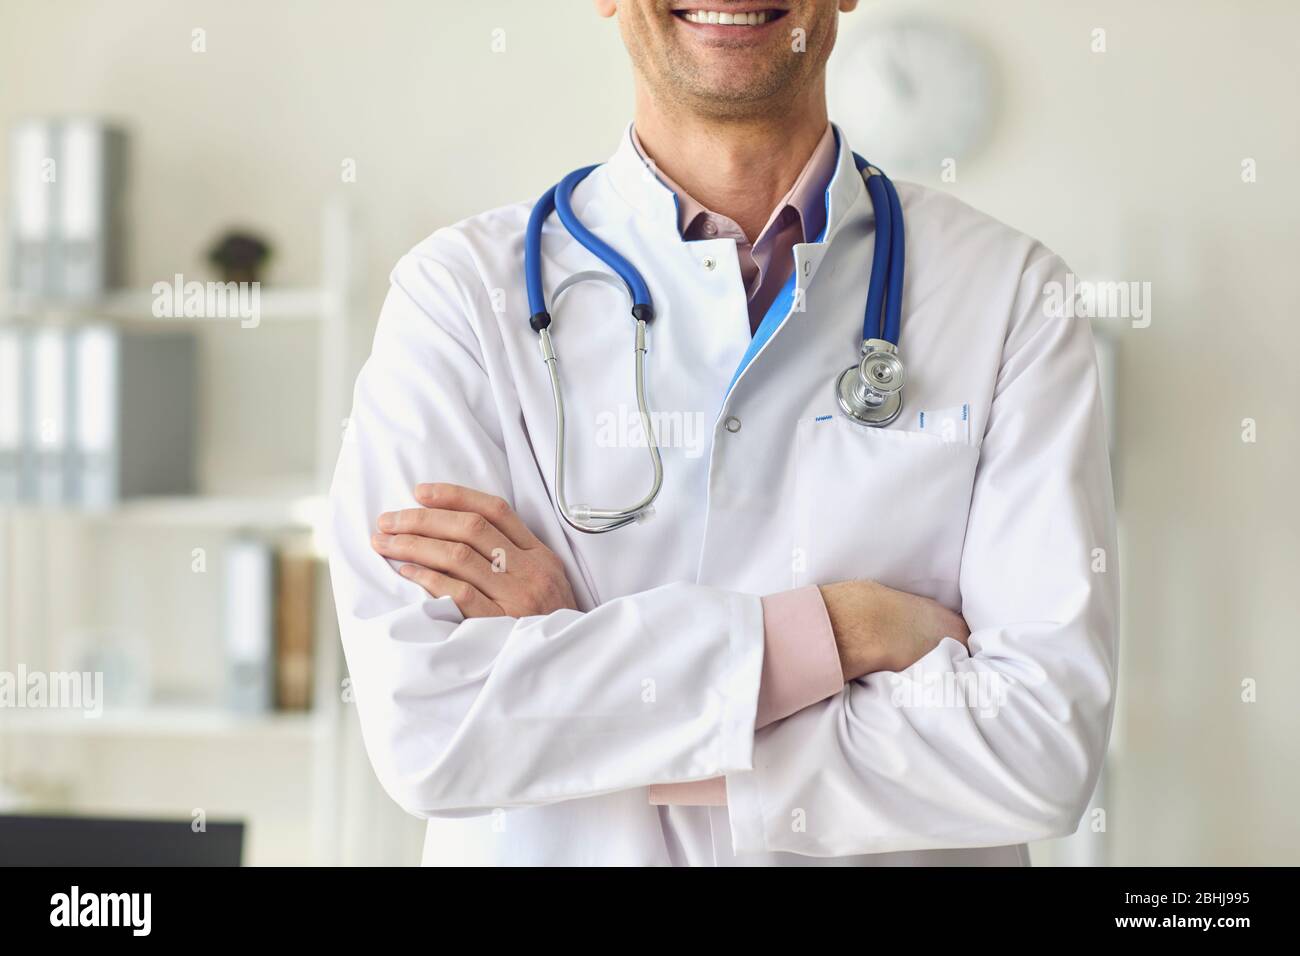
x=738 y=168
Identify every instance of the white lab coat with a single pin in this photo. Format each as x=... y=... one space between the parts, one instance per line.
x=533 y=741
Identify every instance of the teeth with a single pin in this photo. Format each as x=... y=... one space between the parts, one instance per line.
x=728 y=19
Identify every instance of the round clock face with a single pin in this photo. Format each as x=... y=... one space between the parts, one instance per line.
x=910 y=95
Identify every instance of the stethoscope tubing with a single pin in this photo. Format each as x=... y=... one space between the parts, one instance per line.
x=602 y=250
x=882 y=315
x=897 y=254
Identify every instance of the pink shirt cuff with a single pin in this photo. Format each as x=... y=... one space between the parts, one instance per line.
x=801 y=662
x=801 y=665
x=697 y=793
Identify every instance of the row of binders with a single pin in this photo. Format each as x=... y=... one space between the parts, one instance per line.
x=91 y=415
x=269 y=622
x=67 y=179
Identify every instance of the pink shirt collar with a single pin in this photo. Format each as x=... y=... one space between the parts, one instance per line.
x=766 y=262
x=807 y=197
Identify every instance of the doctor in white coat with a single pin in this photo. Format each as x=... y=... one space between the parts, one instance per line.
x=830 y=643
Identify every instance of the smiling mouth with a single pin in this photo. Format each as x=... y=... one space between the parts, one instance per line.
x=728 y=18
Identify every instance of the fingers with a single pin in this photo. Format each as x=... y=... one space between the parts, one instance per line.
x=497 y=511
x=467 y=526
x=467 y=598
x=454 y=558
x=939 y=621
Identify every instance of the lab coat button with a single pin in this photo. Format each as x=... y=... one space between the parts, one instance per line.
x=732 y=424
x=710 y=263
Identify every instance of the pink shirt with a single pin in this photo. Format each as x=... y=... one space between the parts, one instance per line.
x=767 y=262
x=801 y=662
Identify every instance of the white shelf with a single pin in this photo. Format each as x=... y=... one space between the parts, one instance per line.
x=162 y=721
x=135 y=307
x=234 y=512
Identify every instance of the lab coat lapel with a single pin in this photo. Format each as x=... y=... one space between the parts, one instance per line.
x=843 y=207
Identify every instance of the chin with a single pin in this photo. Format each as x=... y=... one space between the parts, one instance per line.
x=731 y=93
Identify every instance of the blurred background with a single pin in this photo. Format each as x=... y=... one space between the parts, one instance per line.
x=164 y=450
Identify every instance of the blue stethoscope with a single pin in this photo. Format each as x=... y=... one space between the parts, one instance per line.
x=868 y=393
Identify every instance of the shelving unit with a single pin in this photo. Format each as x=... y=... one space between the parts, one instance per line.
x=134 y=307
x=168 y=721
x=58 y=747
x=263 y=512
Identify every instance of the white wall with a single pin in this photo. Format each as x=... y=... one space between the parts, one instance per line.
x=1127 y=163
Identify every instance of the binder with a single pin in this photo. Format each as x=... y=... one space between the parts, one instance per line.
x=67 y=180
x=134 y=414
x=87 y=251
x=32 y=185
x=248 y=625
x=12 y=383
x=46 y=432
x=96 y=360
x=295 y=609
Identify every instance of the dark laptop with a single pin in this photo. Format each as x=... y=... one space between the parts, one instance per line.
x=93 y=841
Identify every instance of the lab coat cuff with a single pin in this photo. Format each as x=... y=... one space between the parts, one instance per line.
x=744 y=807
x=735 y=749
x=745 y=813
x=741 y=694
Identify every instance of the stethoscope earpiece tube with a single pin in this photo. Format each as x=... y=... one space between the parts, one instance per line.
x=584 y=517
x=558 y=199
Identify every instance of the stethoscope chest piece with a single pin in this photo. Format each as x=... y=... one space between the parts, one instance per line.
x=871 y=392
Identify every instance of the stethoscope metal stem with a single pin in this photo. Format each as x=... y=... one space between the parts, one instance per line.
x=582 y=517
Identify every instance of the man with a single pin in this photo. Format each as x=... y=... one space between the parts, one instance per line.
x=770 y=668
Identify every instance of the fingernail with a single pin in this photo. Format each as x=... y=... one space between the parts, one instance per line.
x=406 y=570
x=423 y=490
x=386 y=521
x=379 y=540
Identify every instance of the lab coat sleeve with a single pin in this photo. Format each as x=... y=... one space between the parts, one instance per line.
x=1001 y=744
x=465 y=716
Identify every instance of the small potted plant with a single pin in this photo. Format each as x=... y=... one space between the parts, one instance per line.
x=240 y=257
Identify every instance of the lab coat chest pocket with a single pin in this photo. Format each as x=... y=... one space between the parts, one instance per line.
x=881 y=503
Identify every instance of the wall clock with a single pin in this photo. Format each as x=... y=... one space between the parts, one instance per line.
x=911 y=94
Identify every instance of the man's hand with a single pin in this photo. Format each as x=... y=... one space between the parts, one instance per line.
x=473 y=548
x=879 y=629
